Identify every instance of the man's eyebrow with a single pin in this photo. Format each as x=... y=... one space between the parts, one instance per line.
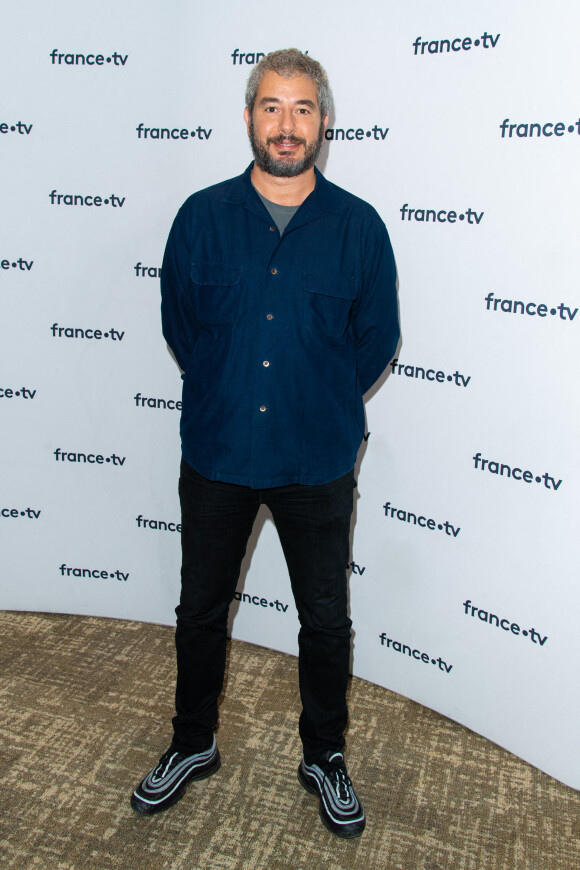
x=309 y=103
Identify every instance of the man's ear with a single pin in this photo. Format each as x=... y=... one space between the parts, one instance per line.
x=247 y=119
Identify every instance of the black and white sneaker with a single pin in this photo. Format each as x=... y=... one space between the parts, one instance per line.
x=166 y=783
x=340 y=809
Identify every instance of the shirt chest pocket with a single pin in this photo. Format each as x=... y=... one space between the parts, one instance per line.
x=327 y=303
x=216 y=292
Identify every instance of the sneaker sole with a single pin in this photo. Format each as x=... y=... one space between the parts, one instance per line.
x=145 y=809
x=339 y=830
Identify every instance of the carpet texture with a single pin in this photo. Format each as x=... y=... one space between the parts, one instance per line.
x=86 y=706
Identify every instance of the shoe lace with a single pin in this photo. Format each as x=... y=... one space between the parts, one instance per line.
x=166 y=764
x=335 y=772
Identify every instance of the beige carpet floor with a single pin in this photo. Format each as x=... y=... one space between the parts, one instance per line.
x=86 y=705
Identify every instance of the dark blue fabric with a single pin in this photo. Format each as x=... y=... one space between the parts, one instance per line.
x=278 y=336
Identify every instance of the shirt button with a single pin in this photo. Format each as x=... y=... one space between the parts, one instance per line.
x=272 y=229
x=269 y=317
x=265 y=363
x=263 y=408
x=274 y=271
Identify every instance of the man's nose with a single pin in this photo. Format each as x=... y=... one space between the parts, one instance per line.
x=286 y=121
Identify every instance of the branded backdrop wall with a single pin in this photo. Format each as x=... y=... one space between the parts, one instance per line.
x=461 y=124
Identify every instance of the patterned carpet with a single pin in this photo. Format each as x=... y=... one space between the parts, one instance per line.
x=86 y=705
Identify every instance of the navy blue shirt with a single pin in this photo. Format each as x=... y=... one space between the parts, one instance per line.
x=278 y=336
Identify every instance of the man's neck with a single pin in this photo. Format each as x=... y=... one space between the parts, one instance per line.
x=284 y=191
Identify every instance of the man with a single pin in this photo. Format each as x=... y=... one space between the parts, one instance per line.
x=279 y=304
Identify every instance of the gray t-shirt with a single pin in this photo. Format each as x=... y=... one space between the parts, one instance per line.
x=280 y=214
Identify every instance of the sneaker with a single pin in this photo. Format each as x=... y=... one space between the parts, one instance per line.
x=166 y=783
x=340 y=809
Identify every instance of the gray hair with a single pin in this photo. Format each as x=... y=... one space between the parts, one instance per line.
x=289 y=62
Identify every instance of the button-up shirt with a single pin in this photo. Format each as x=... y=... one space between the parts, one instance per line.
x=278 y=337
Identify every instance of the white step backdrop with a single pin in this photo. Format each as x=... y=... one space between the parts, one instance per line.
x=461 y=124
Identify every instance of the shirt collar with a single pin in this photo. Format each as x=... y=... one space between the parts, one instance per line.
x=324 y=197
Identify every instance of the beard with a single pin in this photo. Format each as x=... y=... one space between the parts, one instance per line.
x=279 y=166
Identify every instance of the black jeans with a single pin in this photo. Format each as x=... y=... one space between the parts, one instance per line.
x=313 y=523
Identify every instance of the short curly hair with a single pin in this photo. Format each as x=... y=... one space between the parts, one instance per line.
x=289 y=62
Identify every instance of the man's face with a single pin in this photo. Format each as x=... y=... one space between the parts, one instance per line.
x=285 y=127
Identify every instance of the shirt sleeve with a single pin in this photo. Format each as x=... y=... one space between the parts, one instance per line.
x=375 y=315
x=179 y=323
